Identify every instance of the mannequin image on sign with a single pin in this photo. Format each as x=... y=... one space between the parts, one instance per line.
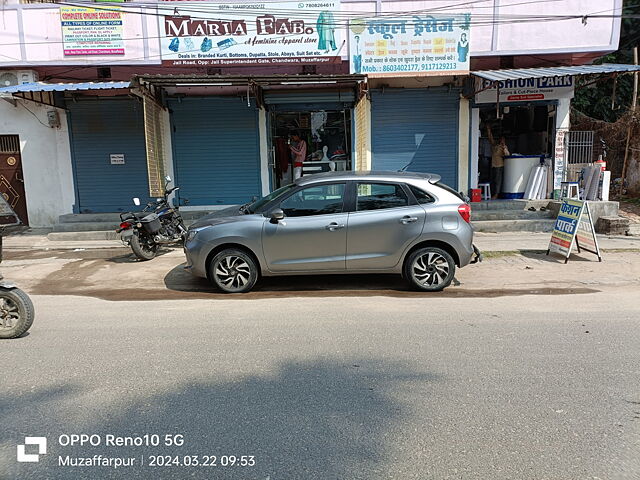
x=298 y=149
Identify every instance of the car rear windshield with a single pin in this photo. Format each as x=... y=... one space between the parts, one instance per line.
x=450 y=190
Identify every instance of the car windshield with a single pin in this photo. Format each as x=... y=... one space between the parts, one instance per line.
x=258 y=205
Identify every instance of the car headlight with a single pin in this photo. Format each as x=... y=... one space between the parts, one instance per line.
x=191 y=234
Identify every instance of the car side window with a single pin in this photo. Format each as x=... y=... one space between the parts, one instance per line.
x=421 y=196
x=315 y=200
x=376 y=196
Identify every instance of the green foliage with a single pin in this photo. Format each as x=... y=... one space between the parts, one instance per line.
x=595 y=100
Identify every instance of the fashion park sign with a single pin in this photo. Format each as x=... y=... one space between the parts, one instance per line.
x=242 y=34
x=524 y=89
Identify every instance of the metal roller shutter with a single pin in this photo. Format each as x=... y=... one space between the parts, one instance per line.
x=215 y=150
x=416 y=129
x=100 y=128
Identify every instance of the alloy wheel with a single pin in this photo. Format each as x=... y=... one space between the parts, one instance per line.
x=430 y=269
x=232 y=272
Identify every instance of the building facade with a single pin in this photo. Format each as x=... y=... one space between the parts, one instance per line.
x=99 y=123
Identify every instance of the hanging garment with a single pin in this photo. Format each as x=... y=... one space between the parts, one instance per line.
x=282 y=155
x=326 y=31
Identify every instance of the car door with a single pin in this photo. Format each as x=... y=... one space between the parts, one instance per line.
x=384 y=222
x=313 y=234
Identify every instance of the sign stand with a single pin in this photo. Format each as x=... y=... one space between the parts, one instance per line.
x=574 y=225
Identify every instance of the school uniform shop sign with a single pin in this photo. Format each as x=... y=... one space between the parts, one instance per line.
x=228 y=34
x=410 y=46
x=524 y=89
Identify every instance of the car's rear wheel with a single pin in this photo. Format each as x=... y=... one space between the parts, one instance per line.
x=430 y=269
x=233 y=271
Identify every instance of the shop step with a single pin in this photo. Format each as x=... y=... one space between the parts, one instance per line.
x=83 y=236
x=510 y=204
x=497 y=226
x=483 y=215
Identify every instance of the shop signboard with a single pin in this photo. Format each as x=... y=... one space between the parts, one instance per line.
x=92 y=31
x=558 y=159
x=411 y=45
x=524 y=89
x=574 y=225
x=261 y=34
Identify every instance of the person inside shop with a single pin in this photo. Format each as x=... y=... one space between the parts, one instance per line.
x=499 y=150
x=298 y=149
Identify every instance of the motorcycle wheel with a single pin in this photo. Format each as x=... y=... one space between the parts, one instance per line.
x=142 y=249
x=16 y=313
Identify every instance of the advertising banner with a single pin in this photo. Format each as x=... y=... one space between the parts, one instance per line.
x=410 y=45
x=281 y=33
x=574 y=225
x=92 y=31
x=524 y=89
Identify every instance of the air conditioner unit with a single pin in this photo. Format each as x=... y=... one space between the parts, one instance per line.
x=17 y=77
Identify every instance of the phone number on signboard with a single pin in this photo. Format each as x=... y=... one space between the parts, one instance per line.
x=412 y=67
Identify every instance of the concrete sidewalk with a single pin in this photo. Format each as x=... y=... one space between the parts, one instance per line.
x=486 y=242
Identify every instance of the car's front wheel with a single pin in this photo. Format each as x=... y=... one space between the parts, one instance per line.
x=430 y=269
x=233 y=271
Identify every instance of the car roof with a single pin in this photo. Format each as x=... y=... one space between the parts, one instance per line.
x=371 y=174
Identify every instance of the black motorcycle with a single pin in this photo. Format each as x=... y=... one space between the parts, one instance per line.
x=159 y=223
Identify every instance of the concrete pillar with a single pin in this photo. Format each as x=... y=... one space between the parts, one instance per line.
x=474 y=146
x=463 y=145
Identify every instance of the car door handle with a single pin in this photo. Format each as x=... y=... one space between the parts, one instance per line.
x=333 y=226
x=407 y=219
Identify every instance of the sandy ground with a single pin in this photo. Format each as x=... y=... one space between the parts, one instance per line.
x=114 y=274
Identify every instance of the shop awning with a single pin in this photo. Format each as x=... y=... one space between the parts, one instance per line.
x=41 y=92
x=62 y=87
x=523 y=73
x=258 y=85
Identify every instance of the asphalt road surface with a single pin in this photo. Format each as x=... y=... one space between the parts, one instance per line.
x=375 y=387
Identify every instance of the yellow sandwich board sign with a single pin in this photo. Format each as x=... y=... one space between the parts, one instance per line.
x=574 y=226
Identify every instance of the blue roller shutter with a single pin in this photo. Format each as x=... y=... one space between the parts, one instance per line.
x=98 y=129
x=416 y=129
x=215 y=150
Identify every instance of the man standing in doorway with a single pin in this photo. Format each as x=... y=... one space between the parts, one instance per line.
x=499 y=150
x=298 y=153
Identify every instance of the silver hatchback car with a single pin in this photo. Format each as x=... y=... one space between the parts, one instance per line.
x=336 y=223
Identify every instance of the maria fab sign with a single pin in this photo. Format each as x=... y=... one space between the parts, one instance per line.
x=574 y=225
x=252 y=34
x=524 y=89
x=92 y=31
x=410 y=45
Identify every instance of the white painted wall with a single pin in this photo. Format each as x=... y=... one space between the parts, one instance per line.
x=46 y=160
x=463 y=146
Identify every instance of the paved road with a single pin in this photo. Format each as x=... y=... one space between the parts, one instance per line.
x=333 y=388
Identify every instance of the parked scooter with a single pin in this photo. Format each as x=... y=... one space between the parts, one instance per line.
x=159 y=223
x=16 y=309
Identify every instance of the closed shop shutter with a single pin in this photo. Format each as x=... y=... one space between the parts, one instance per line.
x=416 y=129
x=99 y=129
x=215 y=150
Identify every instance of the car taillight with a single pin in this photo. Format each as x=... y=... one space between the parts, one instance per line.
x=125 y=225
x=465 y=212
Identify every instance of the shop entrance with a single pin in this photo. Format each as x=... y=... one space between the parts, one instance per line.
x=326 y=134
x=529 y=132
x=12 y=179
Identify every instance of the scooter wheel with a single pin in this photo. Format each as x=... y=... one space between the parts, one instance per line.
x=16 y=313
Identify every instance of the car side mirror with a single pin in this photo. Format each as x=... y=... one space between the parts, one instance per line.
x=276 y=215
x=136 y=201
